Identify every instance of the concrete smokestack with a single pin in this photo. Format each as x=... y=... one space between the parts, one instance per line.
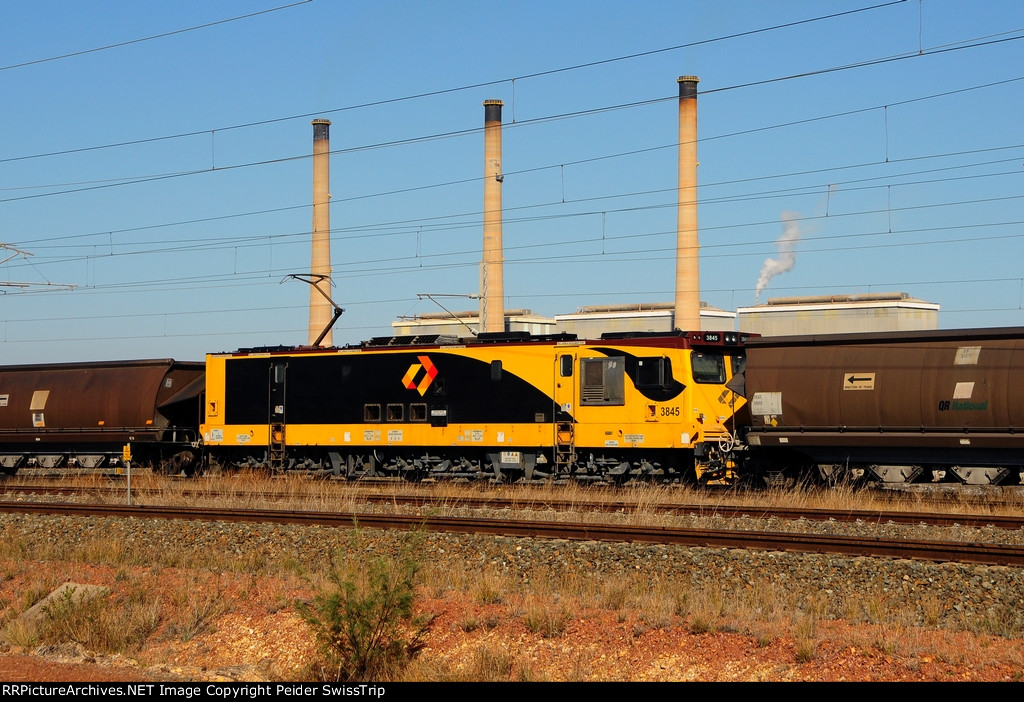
x=687 y=305
x=320 y=310
x=492 y=284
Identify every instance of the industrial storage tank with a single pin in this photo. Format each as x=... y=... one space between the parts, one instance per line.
x=929 y=405
x=83 y=413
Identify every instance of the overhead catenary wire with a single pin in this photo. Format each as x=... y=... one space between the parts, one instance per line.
x=420 y=222
x=358 y=268
x=417 y=96
x=152 y=37
x=135 y=180
x=419 y=226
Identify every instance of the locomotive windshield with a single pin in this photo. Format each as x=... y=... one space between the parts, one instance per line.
x=708 y=367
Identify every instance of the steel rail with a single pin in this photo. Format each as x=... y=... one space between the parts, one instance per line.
x=978 y=521
x=996 y=554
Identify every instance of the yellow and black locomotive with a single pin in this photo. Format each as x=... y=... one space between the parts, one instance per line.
x=499 y=406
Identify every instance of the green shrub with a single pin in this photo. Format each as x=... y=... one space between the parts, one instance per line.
x=364 y=622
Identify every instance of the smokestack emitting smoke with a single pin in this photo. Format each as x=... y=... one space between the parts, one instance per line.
x=320 y=310
x=492 y=285
x=787 y=256
x=687 y=304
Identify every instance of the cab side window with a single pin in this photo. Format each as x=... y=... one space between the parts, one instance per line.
x=654 y=372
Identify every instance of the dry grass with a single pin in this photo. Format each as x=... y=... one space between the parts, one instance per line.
x=805 y=630
x=490 y=663
x=487 y=662
x=545 y=616
x=300 y=492
x=109 y=624
x=706 y=609
x=615 y=592
x=491 y=587
x=658 y=606
x=195 y=615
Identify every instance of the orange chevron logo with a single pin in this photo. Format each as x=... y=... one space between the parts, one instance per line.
x=409 y=380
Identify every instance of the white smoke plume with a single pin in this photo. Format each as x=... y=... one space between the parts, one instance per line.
x=787 y=256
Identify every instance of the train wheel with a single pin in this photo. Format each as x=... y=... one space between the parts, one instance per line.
x=183 y=462
x=413 y=474
x=512 y=475
x=9 y=464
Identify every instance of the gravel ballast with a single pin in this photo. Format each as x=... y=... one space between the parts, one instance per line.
x=947 y=594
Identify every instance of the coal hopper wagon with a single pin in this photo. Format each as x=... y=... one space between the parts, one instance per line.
x=917 y=406
x=81 y=415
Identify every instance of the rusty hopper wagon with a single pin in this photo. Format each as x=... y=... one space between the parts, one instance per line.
x=82 y=414
x=894 y=407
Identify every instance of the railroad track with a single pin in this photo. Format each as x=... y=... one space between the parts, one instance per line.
x=499 y=502
x=995 y=554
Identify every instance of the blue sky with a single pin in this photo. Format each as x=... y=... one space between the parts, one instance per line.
x=169 y=180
